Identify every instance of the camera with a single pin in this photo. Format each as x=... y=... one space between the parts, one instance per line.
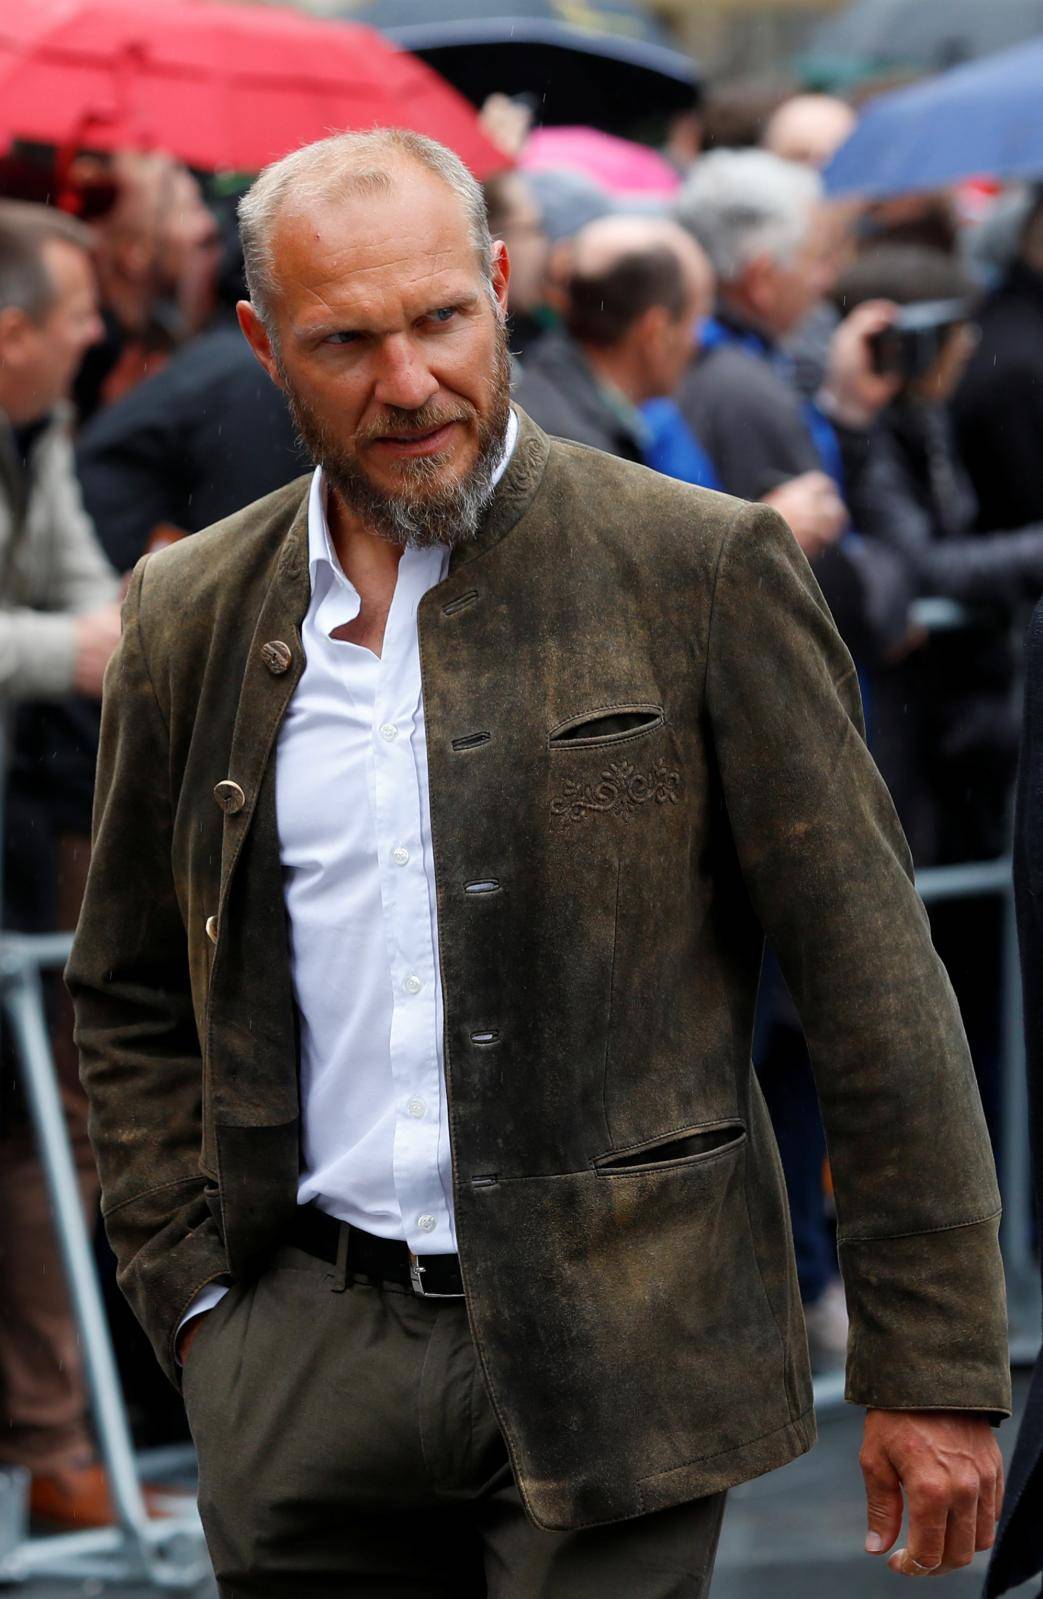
x=912 y=343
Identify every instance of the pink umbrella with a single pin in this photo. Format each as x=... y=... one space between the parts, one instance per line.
x=618 y=165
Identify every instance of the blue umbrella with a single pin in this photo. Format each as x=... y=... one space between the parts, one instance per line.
x=984 y=119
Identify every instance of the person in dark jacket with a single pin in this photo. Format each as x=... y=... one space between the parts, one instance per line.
x=947 y=716
x=1018 y=1552
x=204 y=437
x=637 y=288
x=998 y=408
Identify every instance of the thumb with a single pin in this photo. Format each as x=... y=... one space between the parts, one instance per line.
x=883 y=1506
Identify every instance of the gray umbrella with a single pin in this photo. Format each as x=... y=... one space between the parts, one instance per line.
x=874 y=37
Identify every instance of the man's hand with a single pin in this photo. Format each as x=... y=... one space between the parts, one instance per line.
x=186 y=1335
x=949 y=1467
x=853 y=392
x=816 y=514
x=97 y=634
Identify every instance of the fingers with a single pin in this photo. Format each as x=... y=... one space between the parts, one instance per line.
x=990 y=1503
x=883 y=1503
x=872 y=316
x=949 y=1523
x=928 y=1523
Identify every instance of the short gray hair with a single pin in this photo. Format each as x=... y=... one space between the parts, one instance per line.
x=347 y=163
x=25 y=229
x=739 y=204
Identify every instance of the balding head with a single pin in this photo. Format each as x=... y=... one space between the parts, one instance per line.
x=809 y=128
x=637 y=289
x=621 y=266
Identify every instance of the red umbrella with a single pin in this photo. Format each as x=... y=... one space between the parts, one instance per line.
x=222 y=87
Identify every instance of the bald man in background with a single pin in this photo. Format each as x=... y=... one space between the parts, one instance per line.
x=638 y=288
x=809 y=128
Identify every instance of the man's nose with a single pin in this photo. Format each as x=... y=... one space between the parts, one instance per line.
x=403 y=377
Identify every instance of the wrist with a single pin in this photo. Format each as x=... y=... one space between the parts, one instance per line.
x=844 y=409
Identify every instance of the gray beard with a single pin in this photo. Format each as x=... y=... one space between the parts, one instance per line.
x=423 y=512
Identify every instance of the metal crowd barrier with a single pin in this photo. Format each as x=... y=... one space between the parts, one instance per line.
x=167 y=1552
x=170 y=1552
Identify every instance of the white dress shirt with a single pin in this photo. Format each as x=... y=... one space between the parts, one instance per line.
x=353 y=812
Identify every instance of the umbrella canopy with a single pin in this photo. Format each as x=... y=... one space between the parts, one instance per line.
x=219 y=86
x=621 y=167
x=874 y=37
x=602 y=63
x=983 y=119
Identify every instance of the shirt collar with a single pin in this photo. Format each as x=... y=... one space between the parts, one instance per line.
x=320 y=544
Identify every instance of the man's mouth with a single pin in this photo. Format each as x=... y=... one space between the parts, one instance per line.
x=430 y=442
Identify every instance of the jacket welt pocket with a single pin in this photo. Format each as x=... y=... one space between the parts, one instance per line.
x=609 y=724
x=693 y=1147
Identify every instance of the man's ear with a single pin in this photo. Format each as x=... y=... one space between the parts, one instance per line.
x=653 y=329
x=758 y=283
x=15 y=327
x=501 y=273
x=256 y=336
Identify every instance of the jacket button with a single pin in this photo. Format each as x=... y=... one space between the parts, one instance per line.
x=229 y=796
x=211 y=929
x=276 y=656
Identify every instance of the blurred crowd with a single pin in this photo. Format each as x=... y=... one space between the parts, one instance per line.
x=874 y=373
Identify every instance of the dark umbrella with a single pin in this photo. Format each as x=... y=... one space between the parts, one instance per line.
x=981 y=120
x=875 y=37
x=604 y=63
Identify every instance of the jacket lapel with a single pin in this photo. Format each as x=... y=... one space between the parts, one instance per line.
x=274 y=664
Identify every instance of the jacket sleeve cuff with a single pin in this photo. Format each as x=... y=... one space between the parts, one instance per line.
x=168 y=1253
x=928 y=1321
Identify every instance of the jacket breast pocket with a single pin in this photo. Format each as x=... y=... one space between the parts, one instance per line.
x=606 y=726
x=689 y=1147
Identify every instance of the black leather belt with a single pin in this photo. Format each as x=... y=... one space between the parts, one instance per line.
x=389 y=1259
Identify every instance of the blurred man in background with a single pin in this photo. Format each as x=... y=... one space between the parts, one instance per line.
x=158 y=250
x=637 y=289
x=59 y=623
x=773 y=247
x=515 y=216
x=203 y=437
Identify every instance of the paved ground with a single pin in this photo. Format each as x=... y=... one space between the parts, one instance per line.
x=796 y=1534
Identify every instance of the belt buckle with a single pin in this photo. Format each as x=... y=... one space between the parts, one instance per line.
x=416 y=1279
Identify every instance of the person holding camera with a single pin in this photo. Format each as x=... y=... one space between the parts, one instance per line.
x=773 y=246
x=947 y=717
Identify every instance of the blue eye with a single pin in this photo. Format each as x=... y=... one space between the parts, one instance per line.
x=446 y=313
x=341 y=338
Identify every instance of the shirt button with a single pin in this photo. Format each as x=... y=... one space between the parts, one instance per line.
x=426 y=1224
x=412 y=984
x=400 y=856
x=416 y=1107
x=388 y=730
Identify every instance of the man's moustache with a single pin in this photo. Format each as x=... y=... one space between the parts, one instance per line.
x=411 y=423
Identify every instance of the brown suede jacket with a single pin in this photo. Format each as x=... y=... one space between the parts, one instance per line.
x=645 y=747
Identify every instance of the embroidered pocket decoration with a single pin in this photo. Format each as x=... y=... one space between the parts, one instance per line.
x=619 y=791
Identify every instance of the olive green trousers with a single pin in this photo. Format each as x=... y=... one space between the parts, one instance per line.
x=347 y=1447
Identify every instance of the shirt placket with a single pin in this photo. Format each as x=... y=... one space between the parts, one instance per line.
x=398 y=748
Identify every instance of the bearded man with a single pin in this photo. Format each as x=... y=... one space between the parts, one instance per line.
x=444 y=800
